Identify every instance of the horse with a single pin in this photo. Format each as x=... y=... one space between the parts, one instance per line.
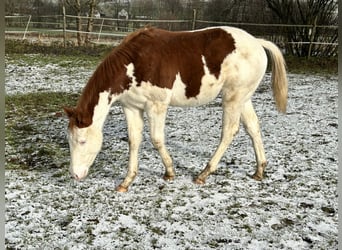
x=152 y=69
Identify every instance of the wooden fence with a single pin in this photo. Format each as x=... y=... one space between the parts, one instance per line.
x=321 y=40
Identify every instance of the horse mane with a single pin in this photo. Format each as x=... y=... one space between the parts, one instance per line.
x=143 y=31
x=109 y=75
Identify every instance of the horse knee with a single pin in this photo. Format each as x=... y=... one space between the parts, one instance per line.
x=252 y=130
x=158 y=144
x=236 y=129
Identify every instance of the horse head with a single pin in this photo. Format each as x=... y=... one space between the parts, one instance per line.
x=85 y=141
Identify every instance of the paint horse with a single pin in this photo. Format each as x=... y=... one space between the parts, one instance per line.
x=152 y=69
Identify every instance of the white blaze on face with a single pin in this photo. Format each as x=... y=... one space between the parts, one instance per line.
x=85 y=143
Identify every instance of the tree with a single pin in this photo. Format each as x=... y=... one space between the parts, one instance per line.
x=86 y=6
x=18 y=7
x=144 y=9
x=311 y=13
x=92 y=6
x=219 y=10
x=236 y=11
x=172 y=9
x=76 y=6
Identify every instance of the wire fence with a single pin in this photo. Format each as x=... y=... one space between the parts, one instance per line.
x=315 y=40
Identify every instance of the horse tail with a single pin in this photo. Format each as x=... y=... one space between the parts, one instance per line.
x=279 y=79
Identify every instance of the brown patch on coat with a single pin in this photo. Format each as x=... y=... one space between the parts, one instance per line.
x=157 y=56
x=161 y=54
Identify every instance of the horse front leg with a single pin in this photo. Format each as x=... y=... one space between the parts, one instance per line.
x=135 y=125
x=156 y=113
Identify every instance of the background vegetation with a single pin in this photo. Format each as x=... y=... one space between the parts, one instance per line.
x=314 y=65
x=307 y=28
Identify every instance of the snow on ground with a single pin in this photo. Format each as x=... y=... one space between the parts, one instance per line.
x=295 y=207
x=41 y=76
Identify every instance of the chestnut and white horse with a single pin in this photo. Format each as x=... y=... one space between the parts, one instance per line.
x=152 y=69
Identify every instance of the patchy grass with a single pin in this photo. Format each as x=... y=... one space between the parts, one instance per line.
x=27 y=144
x=314 y=65
x=26 y=47
x=62 y=60
x=36 y=104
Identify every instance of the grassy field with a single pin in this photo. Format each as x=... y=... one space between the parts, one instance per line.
x=25 y=117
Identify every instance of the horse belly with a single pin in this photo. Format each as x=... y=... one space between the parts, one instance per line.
x=209 y=89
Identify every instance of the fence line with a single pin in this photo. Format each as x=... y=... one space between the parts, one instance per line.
x=270 y=24
x=170 y=21
x=119 y=28
x=131 y=20
x=317 y=43
x=95 y=33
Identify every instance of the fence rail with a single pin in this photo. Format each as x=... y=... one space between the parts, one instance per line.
x=109 y=30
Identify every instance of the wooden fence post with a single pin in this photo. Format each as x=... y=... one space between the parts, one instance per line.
x=194 y=17
x=27 y=25
x=64 y=25
x=98 y=37
x=312 y=37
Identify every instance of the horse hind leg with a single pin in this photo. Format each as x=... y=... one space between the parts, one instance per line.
x=230 y=126
x=156 y=113
x=251 y=124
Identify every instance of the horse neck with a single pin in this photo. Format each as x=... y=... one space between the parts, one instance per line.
x=101 y=109
x=93 y=106
x=99 y=93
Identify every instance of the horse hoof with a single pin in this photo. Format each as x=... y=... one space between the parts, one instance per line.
x=257 y=177
x=199 y=181
x=168 y=178
x=121 y=189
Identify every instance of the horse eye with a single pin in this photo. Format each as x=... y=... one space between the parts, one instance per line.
x=82 y=142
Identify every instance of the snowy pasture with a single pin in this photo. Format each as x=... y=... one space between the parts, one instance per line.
x=294 y=207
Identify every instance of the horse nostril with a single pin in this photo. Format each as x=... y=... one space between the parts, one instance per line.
x=79 y=175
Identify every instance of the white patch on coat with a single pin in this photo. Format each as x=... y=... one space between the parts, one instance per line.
x=137 y=96
x=210 y=88
x=244 y=68
x=130 y=72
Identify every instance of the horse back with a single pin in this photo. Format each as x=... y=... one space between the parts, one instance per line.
x=193 y=65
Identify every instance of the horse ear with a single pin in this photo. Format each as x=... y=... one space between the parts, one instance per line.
x=69 y=111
